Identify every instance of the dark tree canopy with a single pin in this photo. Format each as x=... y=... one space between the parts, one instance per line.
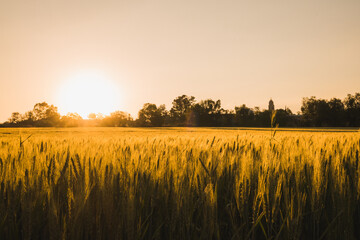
x=206 y=113
x=15 y=117
x=151 y=115
x=330 y=113
x=45 y=114
x=352 y=109
x=181 y=109
x=117 y=119
x=185 y=111
x=244 y=116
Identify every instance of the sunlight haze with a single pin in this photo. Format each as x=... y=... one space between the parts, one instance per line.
x=88 y=92
x=242 y=52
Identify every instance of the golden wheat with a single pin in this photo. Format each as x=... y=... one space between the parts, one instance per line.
x=178 y=184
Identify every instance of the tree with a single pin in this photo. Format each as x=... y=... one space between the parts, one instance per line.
x=117 y=119
x=244 y=116
x=262 y=118
x=181 y=109
x=29 y=116
x=315 y=112
x=336 y=115
x=15 y=117
x=206 y=113
x=71 y=120
x=28 y=119
x=321 y=112
x=92 y=116
x=151 y=115
x=45 y=114
x=95 y=120
x=352 y=110
x=210 y=106
x=284 y=118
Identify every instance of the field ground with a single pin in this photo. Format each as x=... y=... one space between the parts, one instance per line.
x=179 y=183
x=16 y=132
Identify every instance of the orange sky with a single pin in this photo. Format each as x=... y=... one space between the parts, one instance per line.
x=153 y=51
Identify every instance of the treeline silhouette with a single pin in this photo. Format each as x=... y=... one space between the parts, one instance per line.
x=186 y=111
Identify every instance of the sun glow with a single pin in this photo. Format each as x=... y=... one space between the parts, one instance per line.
x=88 y=92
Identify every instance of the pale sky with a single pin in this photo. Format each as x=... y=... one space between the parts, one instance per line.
x=242 y=52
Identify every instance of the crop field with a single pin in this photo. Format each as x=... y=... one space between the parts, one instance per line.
x=179 y=183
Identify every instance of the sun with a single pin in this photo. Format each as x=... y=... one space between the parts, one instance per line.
x=88 y=92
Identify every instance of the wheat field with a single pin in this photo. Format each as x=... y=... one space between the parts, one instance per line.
x=179 y=183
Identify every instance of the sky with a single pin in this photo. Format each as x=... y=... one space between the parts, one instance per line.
x=242 y=52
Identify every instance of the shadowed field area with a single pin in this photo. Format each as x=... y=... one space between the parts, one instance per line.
x=179 y=183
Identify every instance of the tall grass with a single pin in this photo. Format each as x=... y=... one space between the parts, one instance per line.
x=179 y=185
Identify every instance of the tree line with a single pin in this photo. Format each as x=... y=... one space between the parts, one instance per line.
x=186 y=111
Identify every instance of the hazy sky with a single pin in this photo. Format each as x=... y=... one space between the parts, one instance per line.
x=236 y=51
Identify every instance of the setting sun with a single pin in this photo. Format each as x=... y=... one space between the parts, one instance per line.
x=88 y=92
